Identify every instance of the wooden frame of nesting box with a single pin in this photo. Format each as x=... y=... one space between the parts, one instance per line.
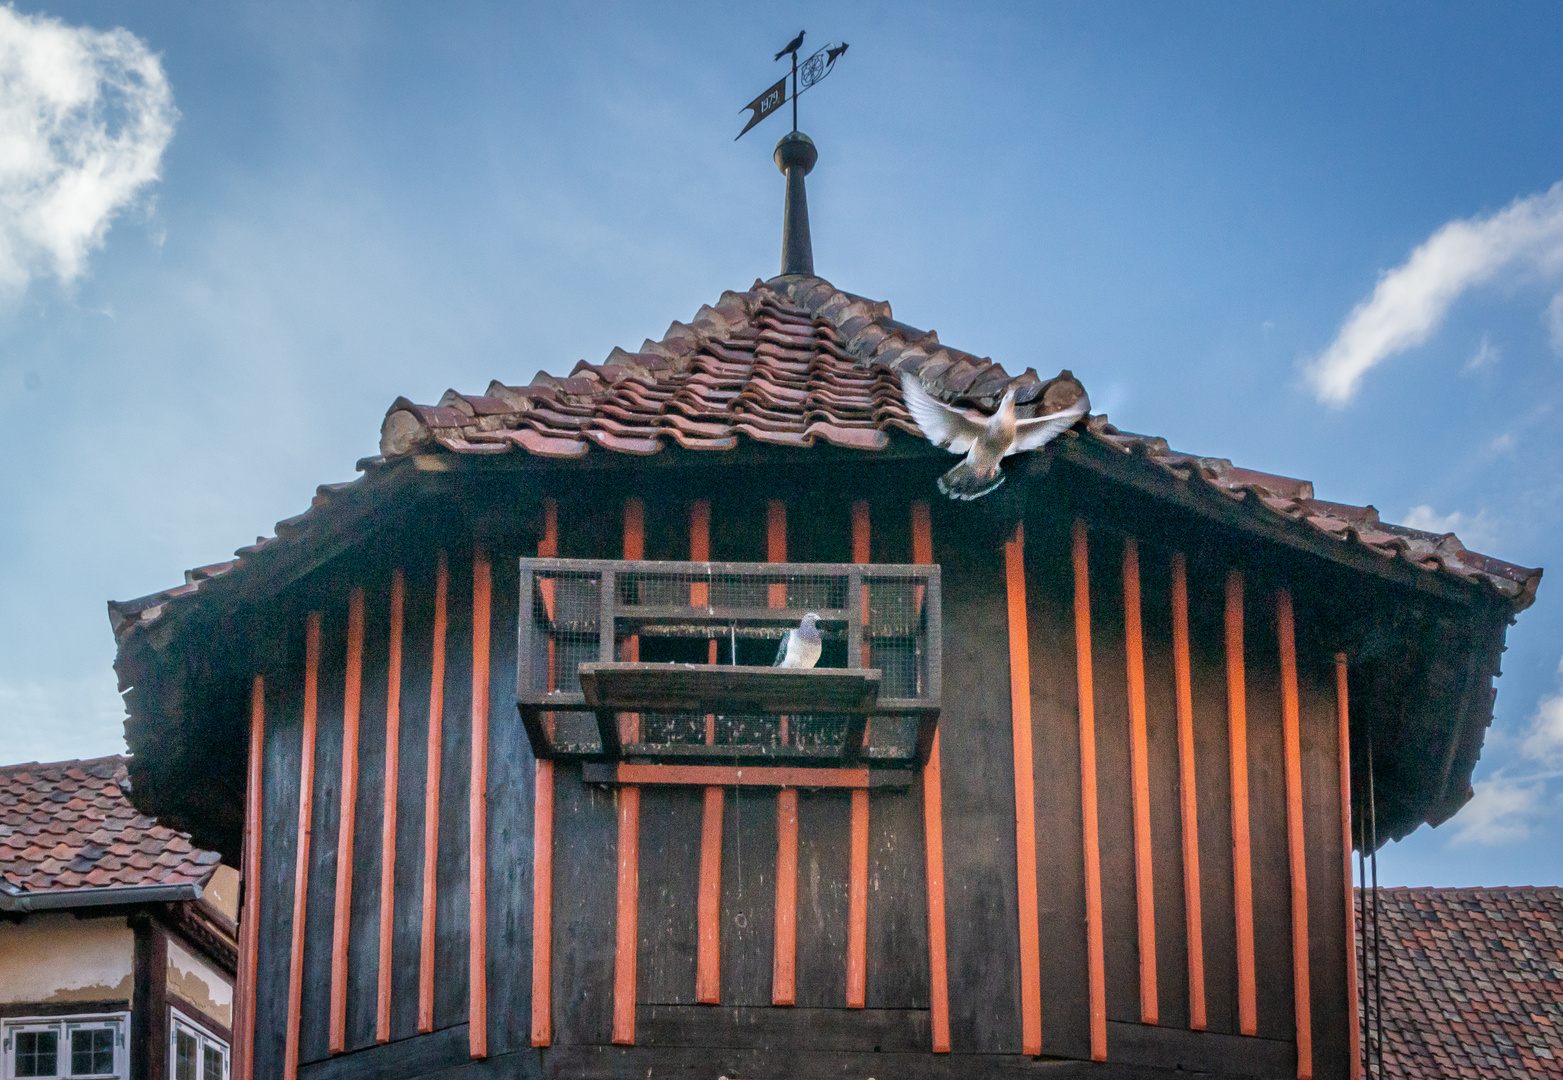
x=589 y=628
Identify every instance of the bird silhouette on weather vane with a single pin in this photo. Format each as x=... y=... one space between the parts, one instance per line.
x=819 y=64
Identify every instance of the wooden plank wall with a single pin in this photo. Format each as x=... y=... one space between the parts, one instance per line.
x=1158 y=683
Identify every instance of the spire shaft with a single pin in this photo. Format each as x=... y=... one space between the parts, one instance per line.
x=795 y=156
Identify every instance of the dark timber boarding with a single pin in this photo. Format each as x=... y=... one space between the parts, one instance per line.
x=745 y=1031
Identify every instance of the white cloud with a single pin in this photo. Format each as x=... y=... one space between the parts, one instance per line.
x=1500 y=812
x=1486 y=355
x=1476 y=532
x=84 y=118
x=1555 y=323
x=1410 y=301
x=1544 y=742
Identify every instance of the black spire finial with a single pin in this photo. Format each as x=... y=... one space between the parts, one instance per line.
x=795 y=156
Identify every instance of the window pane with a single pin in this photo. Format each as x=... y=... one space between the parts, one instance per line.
x=185 y=1059
x=214 y=1062
x=92 y=1052
x=37 y=1053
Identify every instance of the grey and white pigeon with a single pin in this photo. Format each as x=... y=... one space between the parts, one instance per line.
x=985 y=440
x=800 y=648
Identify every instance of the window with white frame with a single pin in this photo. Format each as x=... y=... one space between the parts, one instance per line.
x=194 y=1053
x=66 y=1046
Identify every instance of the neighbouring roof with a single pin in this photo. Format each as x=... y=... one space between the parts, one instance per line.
x=1472 y=982
x=69 y=825
x=795 y=362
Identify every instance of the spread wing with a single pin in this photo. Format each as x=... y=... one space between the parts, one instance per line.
x=1037 y=432
x=953 y=429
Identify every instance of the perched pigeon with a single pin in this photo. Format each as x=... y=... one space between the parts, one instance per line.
x=985 y=440
x=800 y=647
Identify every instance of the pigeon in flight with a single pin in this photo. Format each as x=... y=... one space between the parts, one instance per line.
x=985 y=440
x=792 y=46
x=800 y=648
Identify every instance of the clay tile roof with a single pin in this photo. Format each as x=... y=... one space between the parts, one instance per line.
x=108 y=844
x=1472 y=982
x=796 y=362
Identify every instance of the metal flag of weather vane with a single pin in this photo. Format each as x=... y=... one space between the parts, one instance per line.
x=804 y=75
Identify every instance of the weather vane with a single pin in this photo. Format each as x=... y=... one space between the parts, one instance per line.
x=804 y=75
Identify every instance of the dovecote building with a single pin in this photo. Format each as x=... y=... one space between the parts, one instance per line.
x=1073 y=789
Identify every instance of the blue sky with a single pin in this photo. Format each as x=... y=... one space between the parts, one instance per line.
x=1187 y=205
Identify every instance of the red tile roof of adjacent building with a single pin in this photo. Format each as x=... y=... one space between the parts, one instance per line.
x=1472 y=982
x=70 y=825
x=795 y=362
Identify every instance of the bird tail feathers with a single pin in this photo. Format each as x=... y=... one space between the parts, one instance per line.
x=966 y=483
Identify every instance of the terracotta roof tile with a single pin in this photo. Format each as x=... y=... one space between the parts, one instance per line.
x=70 y=825
x=794 y=362
x=1472 y=982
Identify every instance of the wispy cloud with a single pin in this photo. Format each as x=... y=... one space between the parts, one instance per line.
x=1544 y=742
x=1500 y=812
x=84 y=119
x=1486 y=356
x=1410 y=302
x=1475 y=531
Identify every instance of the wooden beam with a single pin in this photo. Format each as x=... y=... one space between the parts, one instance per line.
x=306 y=809
x=776 y=776
x=1353 y=1005
x=708 y=904
x=543 y=834
x=708 y=956
x=776 y=545
x=784 y=957
x=1237 y=743
x=393 y=756
x=1139 y=768
x=1285 y=622
x=477 y=813
x=627 y=940
x=431 y=801
x=857 y=905
x=1095 y=957
x=543 y=906
x=933 y=836
x=1188 y=793
x=352 y=696
x=1025 y=797
x=249 y=916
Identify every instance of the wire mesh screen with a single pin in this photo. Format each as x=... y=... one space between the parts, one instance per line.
x=880 y=618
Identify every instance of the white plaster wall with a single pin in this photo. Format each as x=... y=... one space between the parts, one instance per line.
x=222 y=891
x=193 y=980
x=56 y=957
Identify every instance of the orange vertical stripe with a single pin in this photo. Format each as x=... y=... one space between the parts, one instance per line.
x=249 y=917
x=1095 y=961
x=860 y=532
x=1025 y=797
x=933 y=836
x=857 y=900
x=543 y=835
x=393 y=756
x=1139 y=767
x=431 y=801
x=543 y=906
x=1188 y=794
x=306 y=809
x=1237 y=736
x=352 y=696
x=627 y=940
x=784 y=966
x=1291 y=731
x=1353 y=1006
x=634 y=549
x=477 y=814
x=708 y=958
x=776 y=545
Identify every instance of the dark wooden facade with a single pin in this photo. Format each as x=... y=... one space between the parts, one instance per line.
x=1127 y=848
